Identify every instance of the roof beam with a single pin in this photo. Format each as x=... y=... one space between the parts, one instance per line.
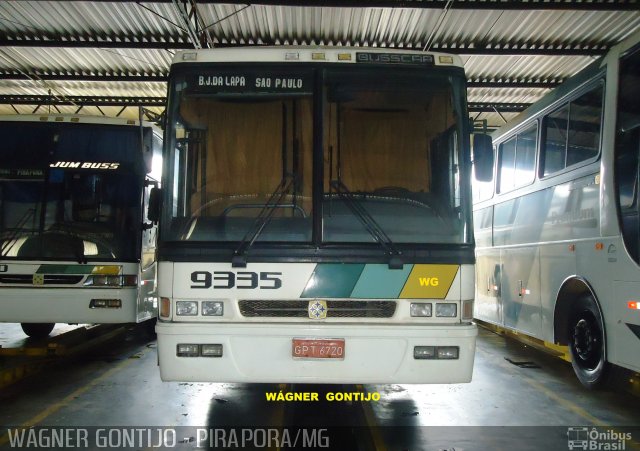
x=135 y=42
x=561 y=5
x=164 y=77
x=161 y=101
x=489 y=107
x=129 y=77
x=82 y=100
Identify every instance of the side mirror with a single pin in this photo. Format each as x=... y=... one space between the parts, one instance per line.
x=483 y=157
x=153 y=211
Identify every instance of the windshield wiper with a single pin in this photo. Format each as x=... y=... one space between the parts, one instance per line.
x=239 y=258
x=370 y=224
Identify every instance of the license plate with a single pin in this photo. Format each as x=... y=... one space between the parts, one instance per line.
x=318 y=348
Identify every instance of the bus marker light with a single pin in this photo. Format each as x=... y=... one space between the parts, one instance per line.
x=467 y=310
x=292 y=56
x=98 y=303
x=165 y=307
x=344 y=56
x=599 y=246
x=424 y=352
x=572 y=248
x=633 y=305
x=187 y=350
x=445 y=59
x=318 y=56
x=189 y=56
x=129 y=281
x=448 y=352
x=211 y=350
x=105 y=303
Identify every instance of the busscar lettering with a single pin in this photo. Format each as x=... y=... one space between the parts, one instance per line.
x=393 y=58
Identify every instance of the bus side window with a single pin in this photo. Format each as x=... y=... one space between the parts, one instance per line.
x=572 y=132
x=517 y=158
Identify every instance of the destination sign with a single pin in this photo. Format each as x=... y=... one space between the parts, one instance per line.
x=393 y=58
x=21 y=173
x=245 y=82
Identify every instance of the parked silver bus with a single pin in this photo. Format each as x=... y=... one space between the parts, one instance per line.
x=556 y=220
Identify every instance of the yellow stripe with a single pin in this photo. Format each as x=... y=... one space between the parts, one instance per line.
x=68 y=399
x=429 y=281
x=107 y=270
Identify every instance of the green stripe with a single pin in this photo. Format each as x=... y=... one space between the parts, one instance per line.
x=380 y=282
x=65 y=269
x=333 y=280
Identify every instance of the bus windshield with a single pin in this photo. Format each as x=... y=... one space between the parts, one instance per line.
x=354 y=150
x=69 y=191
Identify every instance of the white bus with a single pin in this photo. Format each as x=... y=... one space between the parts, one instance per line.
x=74 y=247
x=556 y=223
x=315 y=222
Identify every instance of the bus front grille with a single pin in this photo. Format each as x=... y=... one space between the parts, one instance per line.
x=300 y=309
x=48 y=279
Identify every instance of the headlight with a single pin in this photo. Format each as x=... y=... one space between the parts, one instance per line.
x=110 y=281
x=212 y=308
x=186 y=308
x=422 y=309
x=446 y=310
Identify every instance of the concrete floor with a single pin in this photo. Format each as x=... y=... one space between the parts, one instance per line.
x=504 y=407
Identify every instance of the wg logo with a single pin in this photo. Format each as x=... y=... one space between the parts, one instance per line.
x=429 y=281
x=317 y=309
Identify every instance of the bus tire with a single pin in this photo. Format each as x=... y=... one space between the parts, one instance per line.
x=37 y=330
x=587 y=343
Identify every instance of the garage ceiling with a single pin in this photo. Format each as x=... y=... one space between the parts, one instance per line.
x=101 y=57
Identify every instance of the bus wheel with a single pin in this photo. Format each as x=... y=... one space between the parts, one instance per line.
x=586 y=343
x=37 y=330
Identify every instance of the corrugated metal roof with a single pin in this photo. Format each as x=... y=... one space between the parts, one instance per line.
x=132 y=24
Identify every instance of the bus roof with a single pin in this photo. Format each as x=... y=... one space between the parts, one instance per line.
x=569 y=86
x=302 y=54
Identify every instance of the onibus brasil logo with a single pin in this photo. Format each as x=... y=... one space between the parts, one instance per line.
x=597 y=439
